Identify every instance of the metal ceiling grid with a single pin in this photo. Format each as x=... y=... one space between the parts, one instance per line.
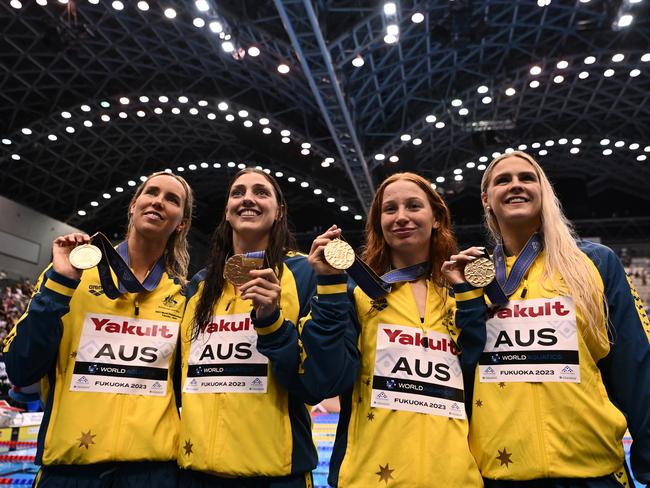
x=56 y=58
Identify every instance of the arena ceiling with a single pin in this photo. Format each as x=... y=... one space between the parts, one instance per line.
x=97 y=93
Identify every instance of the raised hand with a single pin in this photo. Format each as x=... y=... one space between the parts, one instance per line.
x=61 y=248
x=453 y=269
x=264 y=290
x=316 y=256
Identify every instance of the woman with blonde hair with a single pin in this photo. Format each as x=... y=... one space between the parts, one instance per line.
x=104 y=355
x=396 y=361
x=566 y=366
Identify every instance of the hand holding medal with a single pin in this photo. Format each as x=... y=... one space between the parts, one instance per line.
x=473 y=265
x=480 y=272
x=263 y=289
x=238 y=267
x=85 y=256
x=329 y=254
x=339 y=254
x=261 y=286
x=72 y=253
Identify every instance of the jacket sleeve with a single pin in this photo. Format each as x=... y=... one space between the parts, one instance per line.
x=469 y=332
x=626 y=369
x=31 y=348
x=190 y=290
x=278 y=338
x=471 y=313
x=330 y=336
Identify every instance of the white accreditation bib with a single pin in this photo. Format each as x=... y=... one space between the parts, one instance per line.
x=532 y=340
x=124 y=355
x=224 y=358
x=417 y=372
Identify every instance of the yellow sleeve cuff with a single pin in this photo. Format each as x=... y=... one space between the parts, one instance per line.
x=270 y=329
x=331 y=289
x=469 y=295
x=59 y=288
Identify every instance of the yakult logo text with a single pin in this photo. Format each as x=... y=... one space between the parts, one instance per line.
x=124 y=327
x=419 y=340
x=547 y=309
x=227 y=326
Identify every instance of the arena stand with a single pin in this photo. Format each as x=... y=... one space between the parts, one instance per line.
x=18 y=427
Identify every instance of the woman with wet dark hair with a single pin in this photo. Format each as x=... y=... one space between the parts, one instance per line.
x=244 y=421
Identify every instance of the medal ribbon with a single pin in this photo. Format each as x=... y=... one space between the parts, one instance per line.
x=118 y=261
x=501 y=288
x=255 y=255
x=376 y=286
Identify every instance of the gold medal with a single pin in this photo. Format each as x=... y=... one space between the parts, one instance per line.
x=85 y=256
x=339 y=254
x=480 y=272
x=238 y=266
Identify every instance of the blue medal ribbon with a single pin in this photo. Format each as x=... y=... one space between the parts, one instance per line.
x=255 y=255
x=118 y=261
x=376 y=286
x=502 y=287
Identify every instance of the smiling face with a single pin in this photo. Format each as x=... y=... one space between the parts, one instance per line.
x=252 y=206
x=158 y=211
x=513 y=194
x=407 y=221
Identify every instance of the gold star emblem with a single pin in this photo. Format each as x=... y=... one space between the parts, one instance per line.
x=479 y=403
x=370 y=416
x=504 y=457
x=73 y=354
x=379 y=304
x=188 y=447
x=384 y=473
x=86 y=439
x=502 y=385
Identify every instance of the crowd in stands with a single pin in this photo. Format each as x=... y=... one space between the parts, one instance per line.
x=14 y=296
x=638 y=269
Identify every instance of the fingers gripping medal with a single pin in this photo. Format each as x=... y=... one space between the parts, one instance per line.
x=339 y=254
x=480 y=272
x=238 y=266
x=85 y=256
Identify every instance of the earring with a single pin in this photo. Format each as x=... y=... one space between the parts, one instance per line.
x=488 y=208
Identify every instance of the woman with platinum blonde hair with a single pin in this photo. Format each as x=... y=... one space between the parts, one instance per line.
x=566 y=366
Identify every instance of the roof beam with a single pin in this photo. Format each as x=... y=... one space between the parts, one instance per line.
x=301 y=24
